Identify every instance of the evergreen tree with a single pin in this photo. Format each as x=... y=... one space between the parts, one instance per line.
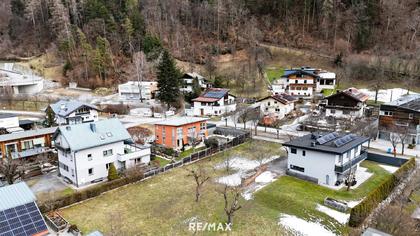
x=196 y=88
x=168 y=80
x=50 y=121
x=218 y=82
x=112 y=172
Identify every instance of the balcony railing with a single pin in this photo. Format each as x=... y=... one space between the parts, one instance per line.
x=30 y=152
x=349 y=164
x=133 y=151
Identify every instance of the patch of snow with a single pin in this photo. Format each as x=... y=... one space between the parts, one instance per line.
x=265 y=177
x=352 y=204
x=302 y=227
x=361 y=176
x=341 y=217
x=390 y=169
x=231 y=180
x=386 y=95
x=243 y=164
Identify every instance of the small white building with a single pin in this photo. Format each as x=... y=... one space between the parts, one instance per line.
x=10 y=123
x=326 y=80
x=349 y=103
x=19 y=82
x=325 y=159
x=85 y=151
x=214 y=102
x=277 y=106
x=70 y=112
x=279 y=86
x=188 y=80
x=131 y=90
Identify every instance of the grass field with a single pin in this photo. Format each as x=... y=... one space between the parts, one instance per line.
x=274 y=73
x=163 y=205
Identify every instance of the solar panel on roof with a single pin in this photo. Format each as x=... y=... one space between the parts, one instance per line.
x=343 y=140
x=22 y=220
x=326 y=138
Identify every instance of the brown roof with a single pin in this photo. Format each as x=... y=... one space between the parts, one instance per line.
x=283 y=98
x=353 y=93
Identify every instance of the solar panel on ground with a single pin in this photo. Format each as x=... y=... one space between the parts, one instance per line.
x=24 y=220
x=326 y=138
x=343 y=140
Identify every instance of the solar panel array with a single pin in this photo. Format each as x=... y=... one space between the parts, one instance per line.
x=328 y=137
x=24 y=220
x=215 y=94
x=343 y=140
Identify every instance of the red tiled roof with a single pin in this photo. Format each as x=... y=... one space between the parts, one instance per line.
x=204 y=99
x=356 y=94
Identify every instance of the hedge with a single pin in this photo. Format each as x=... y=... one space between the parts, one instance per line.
x=90 y=192
x=359 y=213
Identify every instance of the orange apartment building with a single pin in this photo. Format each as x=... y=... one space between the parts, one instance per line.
x=178 y=132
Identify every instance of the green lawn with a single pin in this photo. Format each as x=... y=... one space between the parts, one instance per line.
x=274 y=73
x=328 y=92
x=162 y=205
x=162 y=162
x=190 y=151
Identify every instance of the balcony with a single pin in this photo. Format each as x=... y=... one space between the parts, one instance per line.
x=349 y=164
x=132 y=151
x=30 y=152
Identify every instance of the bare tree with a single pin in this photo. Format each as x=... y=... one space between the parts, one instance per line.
x=231 y=197
x=403 y=134
x=200 y=176
x=255 y=117
x=12 y=169
x=259 y=152
x=394 y=139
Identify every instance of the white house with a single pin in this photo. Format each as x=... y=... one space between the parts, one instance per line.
x=213 y=102
x=20 y=80
x=131 y=90
x=70 y=112
x=188 y=80
x=279 y=86
x=10 y=123
x=277 y=106
x=325 y=159
x=326 y=80
x=349 y=103
x=85 y=151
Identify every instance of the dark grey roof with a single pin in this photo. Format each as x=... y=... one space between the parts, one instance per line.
x=337 y=144
x=411 y=102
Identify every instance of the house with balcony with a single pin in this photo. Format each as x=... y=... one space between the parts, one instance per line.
x=214 y=102
x=27 y=144
x=349 y=103
x=277 y=106
x=181 y=132
x=401 y=115
x=70 y=112
x=86 y=150
x=325 y=159
x=188 y=80
x=301 y=82
x=136 y=90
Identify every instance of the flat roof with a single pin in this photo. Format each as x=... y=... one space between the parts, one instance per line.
x=27 y=134
x=327 y=145
x=6 y=115
x=179 y=121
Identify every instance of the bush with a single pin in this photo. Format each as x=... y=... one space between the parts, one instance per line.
x=211 y=142
x=119 y=109
x=359 y=213
x=411 y=146
x=112 y=172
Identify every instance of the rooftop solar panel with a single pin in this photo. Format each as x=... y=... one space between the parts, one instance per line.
x=344 y=140
x=326 y=138
x=25 y=220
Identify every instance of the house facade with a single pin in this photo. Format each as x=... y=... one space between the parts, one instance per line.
x=70 y=112
x=349 y=103
x=131 y=90
x=178 y=132
x=214 y=102
x=279 y=86
x=277 y=106
x=188 y=80
x=401 y=115
x=27 y=144
x=325 y=159
x=86 y=160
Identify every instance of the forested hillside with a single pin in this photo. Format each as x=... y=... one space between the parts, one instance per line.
x=99 y=41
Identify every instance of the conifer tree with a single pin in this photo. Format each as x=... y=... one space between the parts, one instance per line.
x=168 y=77
x=112 y=172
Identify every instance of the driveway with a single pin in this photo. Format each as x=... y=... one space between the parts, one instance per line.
x=46 y=183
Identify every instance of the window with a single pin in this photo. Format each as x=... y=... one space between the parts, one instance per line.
x=296 y=81
x=303 y=153
x=277 y=109
x=346 y=112
x=332 y=111
x=90 y=171
x=293 y=150
x=107 y=152
x=410 y=116
x=63 y=166
x=298 y=168
x=179 y=132
x=387 y=113
x=268 y=103
x=305 y=81
x=203 y=126
x=89 y=157
x=107 y=165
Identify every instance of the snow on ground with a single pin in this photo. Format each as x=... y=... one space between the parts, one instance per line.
x=243 y=164
x=390 y=169
x=362 y=175
x=386 y=95
x=302 y=227
x=231 y=180
x=352 y=204
x=260 y=182
x=341 y=217
x=265 y=177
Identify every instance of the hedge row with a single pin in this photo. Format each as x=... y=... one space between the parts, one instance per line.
x=90 y=192
x=359 y=213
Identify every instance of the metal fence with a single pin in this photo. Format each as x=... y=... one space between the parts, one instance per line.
x=200 y=155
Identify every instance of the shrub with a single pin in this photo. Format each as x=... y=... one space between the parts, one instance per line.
x=211 y=142
x=359 y=213
x=112 y=172
x=119 y=109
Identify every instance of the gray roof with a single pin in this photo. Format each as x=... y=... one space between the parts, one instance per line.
x=15 y=195
x=65 y=107
x=178 y=121
x=374 y=232
x=94 y=134
x=330 y=146
x=7 y=115
x=411 y=102
x=27 y=134
x=95 y=233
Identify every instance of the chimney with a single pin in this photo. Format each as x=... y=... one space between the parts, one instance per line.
x=93 y=127
x=68 y=128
